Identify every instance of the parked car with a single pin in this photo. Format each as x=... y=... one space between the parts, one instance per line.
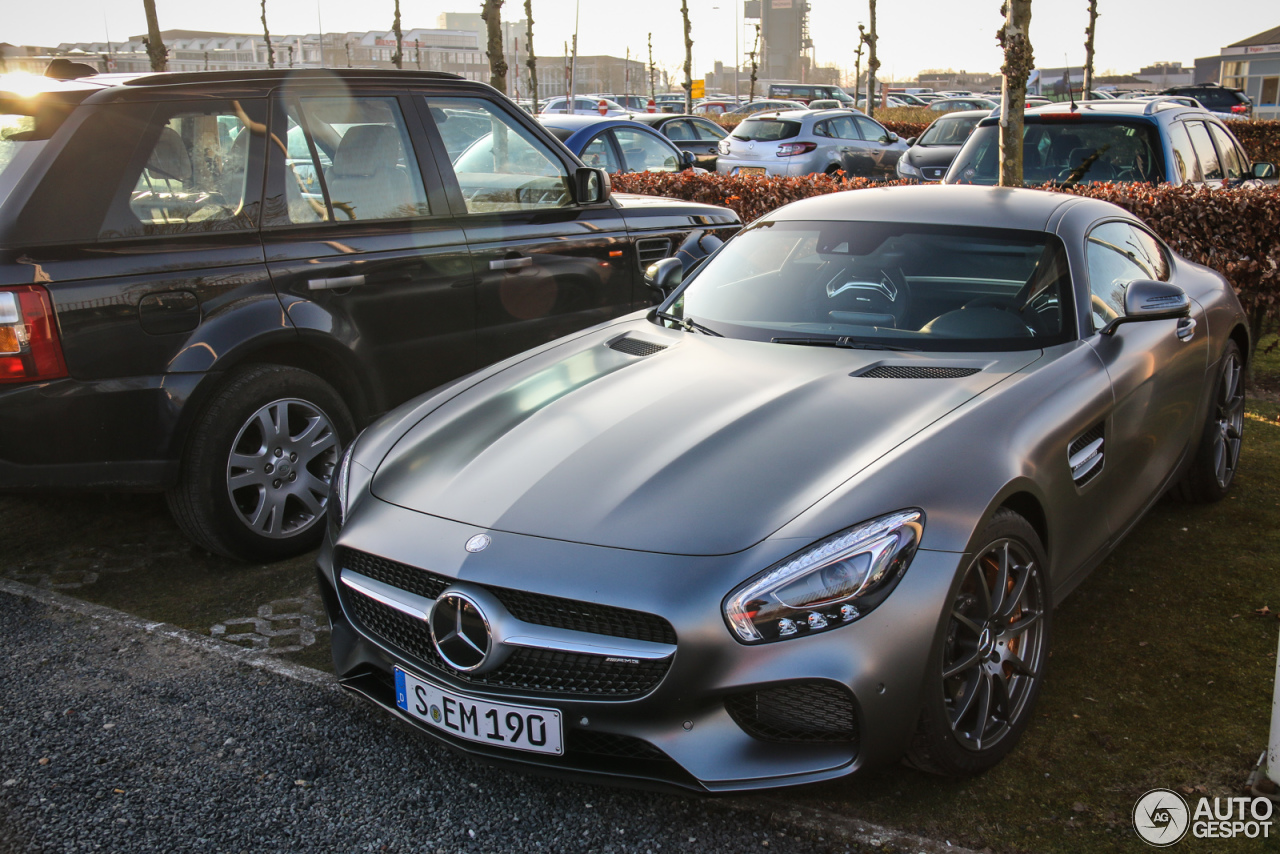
x=946 y=105
x=1223 y=101
x=886 y=102
x=617 y=145
x=1157 y=141
x=806 y=92
x=801 y=142
x=762 y=106
x=714 y=108
x=188 y=305
x=695 y=135
x=928 y=156
x=583 y=106
x=809 y=516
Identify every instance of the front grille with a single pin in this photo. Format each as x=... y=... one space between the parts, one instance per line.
x=531 y=607
x=809 y=711
x=636 y=347
x=917 y=372
x=609 y=744
x=651 y=249
x=934 y=173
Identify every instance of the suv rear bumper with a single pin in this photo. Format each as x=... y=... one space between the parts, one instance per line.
x=114 y=433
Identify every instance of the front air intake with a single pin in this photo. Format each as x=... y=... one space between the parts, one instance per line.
x=812 y=710
x=917 y=372
x=1085 y=454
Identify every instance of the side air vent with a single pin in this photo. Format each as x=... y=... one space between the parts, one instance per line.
x=636 y=347
x=917 y=372
x=1085 y=455
x=650 y=249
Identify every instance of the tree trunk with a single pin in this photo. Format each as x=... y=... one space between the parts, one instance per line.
x=266 y=37
x=532 y=62
x=398 y=56
x=1088 y=48
x=155 y=45
x=688 y=58
x=652 y=70
x=755 y=49
x=491 y=12
x=1015 y=38
x=873 y=64
x=857 y=63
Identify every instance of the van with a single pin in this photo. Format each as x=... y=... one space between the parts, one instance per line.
x=806 y=92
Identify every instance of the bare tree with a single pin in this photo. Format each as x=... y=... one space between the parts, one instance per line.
x=857 y=65
x=155 y=44
x=873 y=64
x=688 y=58
x=491 y=12
x=532 y=61
x=653 y=71
x=1088 y=47
x=398 y=56
x=1015 y=38
x=266 y=37
x=755 y=50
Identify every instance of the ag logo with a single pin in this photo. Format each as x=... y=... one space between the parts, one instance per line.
x=435 y=714
x=1161 y=817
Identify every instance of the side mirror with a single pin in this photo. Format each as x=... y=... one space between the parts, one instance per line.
x=664 y=276
x=591 y=186
x=1148 y=300
x=912 y=141
x=1264 y=170
x=687 y=160
x=893 y=137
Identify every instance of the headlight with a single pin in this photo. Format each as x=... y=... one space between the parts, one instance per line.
x=831 y=583
x=906 y=170
x=339 y=487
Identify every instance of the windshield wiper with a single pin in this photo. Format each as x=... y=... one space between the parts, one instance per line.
x=687 y=325
x=843 y=341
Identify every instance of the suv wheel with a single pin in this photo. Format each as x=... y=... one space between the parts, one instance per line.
x=255 y=475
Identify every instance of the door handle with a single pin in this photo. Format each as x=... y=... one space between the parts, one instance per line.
x=1186 y=329
x=510 y=263
x=336 y=282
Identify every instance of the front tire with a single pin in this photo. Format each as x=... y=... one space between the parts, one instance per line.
x=988 y=665
x=255 y=473
x=1218 y=455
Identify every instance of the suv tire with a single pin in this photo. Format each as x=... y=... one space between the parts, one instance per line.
x=254 y=476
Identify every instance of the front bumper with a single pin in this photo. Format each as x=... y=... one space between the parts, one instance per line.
x=686 y=731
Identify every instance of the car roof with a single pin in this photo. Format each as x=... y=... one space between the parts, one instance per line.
x=962 y=114
x=952 y=204
x=1148 y=110
x=576 y=122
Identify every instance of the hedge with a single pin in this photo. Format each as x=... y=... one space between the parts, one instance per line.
x=1234 y=231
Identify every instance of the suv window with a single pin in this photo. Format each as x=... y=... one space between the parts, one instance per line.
x=1232 y=161
x=1209 y=166
x=1119 y=253
x=504 y=167
x=1069 y=151
x=193 y=173
x=871 y=129
x=1184 y=155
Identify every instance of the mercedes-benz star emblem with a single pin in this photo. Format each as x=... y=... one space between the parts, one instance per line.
x=479 y=543
x=460 y=631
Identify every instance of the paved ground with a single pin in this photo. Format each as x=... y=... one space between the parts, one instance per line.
x=121 y=736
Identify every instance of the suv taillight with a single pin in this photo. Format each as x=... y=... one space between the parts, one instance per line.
x=29 y=345
x=788 y=149
x=1240 y=108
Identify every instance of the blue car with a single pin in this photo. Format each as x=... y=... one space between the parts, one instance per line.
x=617 y=145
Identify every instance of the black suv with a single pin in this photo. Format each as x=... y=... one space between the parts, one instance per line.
x=208 y=281
x=1223 y=101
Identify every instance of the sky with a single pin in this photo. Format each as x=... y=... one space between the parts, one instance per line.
x=913 y=36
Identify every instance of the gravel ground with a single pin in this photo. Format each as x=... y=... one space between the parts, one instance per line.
x=116 y=739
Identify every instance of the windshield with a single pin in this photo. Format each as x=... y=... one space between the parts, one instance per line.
x=766 y=129
x=949 y=131
x=1067 y=152
x=885 y=284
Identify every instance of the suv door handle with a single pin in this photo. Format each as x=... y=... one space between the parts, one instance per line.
x=510 y=263
x=1186 y=328
x=337 y=282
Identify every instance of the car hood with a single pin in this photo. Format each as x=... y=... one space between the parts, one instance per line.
x=932 y=155
x=704 y=447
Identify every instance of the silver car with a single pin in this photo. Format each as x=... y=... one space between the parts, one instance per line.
x=801 y=142
x=809 y=515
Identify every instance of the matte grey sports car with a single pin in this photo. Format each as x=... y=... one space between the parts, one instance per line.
x=810 y=514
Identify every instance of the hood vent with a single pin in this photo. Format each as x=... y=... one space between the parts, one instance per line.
x=1085 y=455
x=651 y=249
x=917 y=372
x=636 y=346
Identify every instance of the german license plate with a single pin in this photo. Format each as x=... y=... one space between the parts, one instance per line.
x=497 y=724
x=751 y=170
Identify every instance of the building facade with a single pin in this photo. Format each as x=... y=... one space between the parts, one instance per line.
x=1253 y=65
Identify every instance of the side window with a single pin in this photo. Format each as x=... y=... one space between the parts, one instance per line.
x=678 y=131
x=822 y=129
x=1184 y=156
x=709 y=132
x=1232 y=163
x=1209 y=167
x=371 y=171
x=1119 y=253
x=192 y=174
x=643 y=153
x=503 y=166
x=844 y=128
x=870 y=129
x=599 y=153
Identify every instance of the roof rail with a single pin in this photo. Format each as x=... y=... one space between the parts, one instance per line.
x=1157 y=103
